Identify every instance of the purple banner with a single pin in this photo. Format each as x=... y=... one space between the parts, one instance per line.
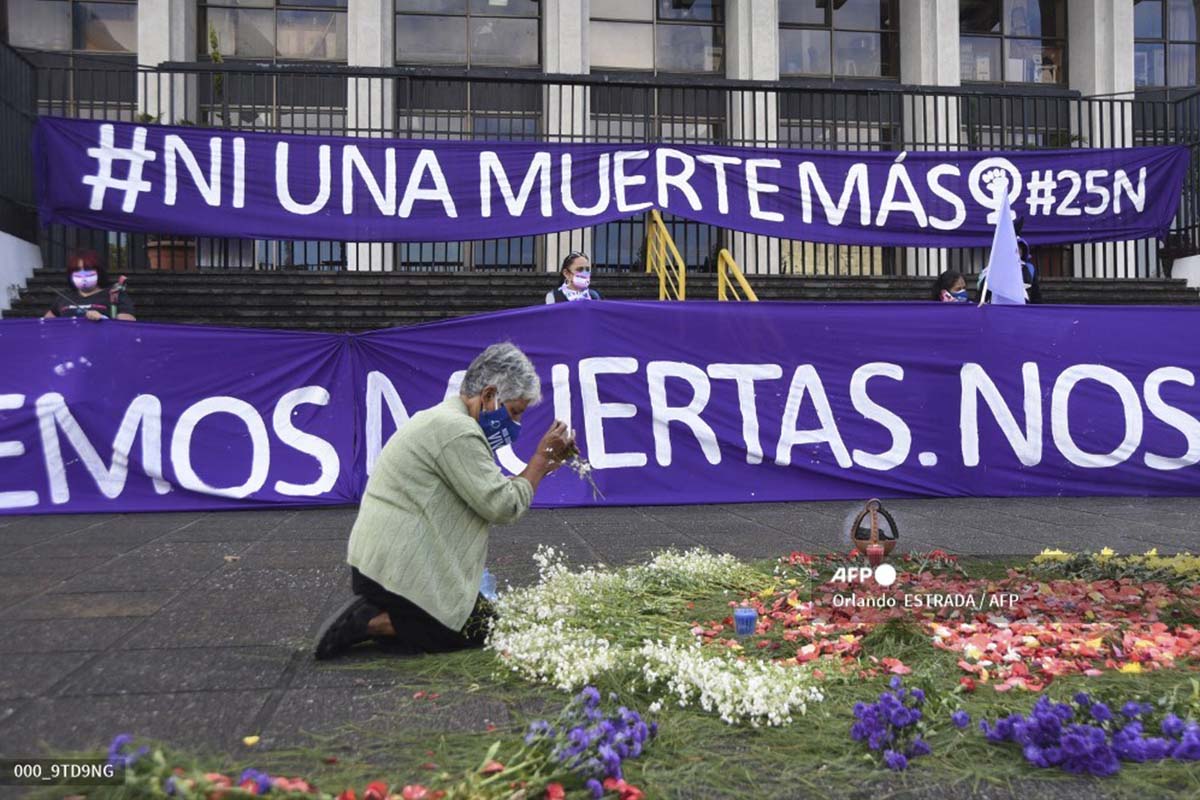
x=218 y=182
x=672 y=403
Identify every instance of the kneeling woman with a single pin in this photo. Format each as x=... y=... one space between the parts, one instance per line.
x=418 y=546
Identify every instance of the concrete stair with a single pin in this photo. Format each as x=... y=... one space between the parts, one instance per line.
x=349 y=301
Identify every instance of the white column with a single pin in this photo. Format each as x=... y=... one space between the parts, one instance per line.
x=752 y=54
x=566 y=110
x=371 y=103
x=166 y=32
x=929 y=56
x=1100 y=62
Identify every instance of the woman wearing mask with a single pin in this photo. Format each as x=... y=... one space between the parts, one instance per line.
x=89 y=294
x=951 y=288
x=418 y=546
x=577 y=279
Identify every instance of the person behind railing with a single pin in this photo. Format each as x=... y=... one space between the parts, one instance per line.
x=90 y=295
x=1029 y=273
x=577 y=280
x=418 y=546
x=951 y=287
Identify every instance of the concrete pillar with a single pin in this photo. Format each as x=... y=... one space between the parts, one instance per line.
x=752 y=54
x=929 y=56
x=1100 y=65
x=166 y=32
x=566 y=109
x=371 y=104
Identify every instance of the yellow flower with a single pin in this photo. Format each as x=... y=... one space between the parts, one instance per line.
x=1152 y=552
x=1107 y=552
x=1131 y=667
x=250 y=741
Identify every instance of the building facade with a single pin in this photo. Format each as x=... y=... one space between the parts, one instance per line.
x=846 y=74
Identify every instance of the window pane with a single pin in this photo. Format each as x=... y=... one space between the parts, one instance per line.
x=243 y=33
x=621 y=45
x=434 y=6
x=1182 y=20
x=1148 y=65
x=106 y=27
x=868 y=14
x=803 y=12
x=979 y=16
x=504 y=8
x=1033 y=61
x=1036 y=18
x=312 y=35
x=693 y=10
x=689 y=48
x=40 y=25
x=318 y=3
x=1147 y=19
x=804 y=52
x=1181 y=67
x=979 y=58
x=863 y=55
x=505 y=42
x=438 y=40
x=623 y=9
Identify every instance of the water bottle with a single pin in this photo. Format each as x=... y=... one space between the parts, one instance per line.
x=487 y=586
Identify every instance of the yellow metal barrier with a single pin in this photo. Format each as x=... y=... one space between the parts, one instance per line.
x=726 y=288
x=663 y=257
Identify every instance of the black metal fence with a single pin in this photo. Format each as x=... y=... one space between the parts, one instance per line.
x=421 y=103
x=17 y=116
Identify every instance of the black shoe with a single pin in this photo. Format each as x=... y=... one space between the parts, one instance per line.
x=345 y=628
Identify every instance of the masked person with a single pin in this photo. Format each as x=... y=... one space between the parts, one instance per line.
x=951 y=287
x=418 y=546
x=577 y=280
x=89 y=293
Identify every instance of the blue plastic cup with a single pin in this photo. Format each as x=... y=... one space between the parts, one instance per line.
x=745 y=620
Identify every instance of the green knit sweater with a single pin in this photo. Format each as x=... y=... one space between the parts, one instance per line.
x=421 y=530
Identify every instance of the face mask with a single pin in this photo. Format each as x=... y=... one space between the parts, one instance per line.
x=583 y=280
x=84 y=279
x=499 y=428
x=960 y=297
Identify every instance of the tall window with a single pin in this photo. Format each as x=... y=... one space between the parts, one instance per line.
x=854 y=38
x=1014 y=41
x=658 y=35
x=471 y=33
x=1165 y=50
x=292 y=30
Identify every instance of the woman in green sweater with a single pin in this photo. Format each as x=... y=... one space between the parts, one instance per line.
x=418 y=546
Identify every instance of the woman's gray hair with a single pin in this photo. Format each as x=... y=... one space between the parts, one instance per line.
x=504 y=366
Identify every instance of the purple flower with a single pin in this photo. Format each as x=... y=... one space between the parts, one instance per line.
x=894 y=760
x=1134 y=709
x=919 y=747
x=1188 y=747
x=590 y=697
x=595 y=787
x=1172 y=726
x=961 y=719
x=1083 y=699
x=919 y=696
x=896 y=683
x=1101 y=712
x=261 y=780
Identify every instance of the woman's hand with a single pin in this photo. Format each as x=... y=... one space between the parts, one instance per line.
x=93 y=315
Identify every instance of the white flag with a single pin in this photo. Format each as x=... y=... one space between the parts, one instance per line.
x=1005 y=275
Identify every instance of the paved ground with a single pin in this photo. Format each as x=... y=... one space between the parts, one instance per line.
x=196 y=628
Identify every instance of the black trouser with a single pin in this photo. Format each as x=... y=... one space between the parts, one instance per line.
x=417 y=629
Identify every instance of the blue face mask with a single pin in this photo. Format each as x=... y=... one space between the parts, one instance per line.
x=499 y=427
x=960 y=297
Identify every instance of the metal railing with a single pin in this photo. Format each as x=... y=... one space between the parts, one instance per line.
x=530 y=106
x=731 y=283
x=663 y=259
